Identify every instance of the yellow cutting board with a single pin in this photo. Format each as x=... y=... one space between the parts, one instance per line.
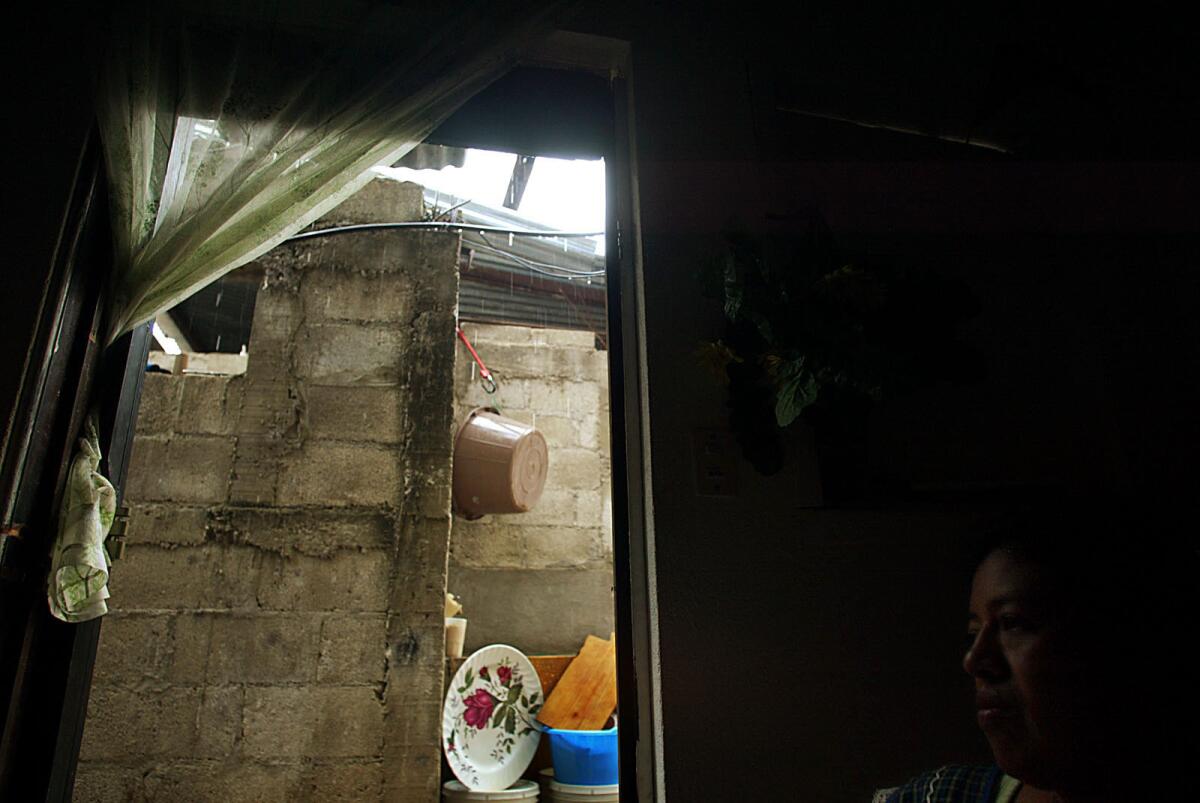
x=586 y=695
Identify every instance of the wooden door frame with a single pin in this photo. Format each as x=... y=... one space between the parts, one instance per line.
x=45 y=664
x=49 y=680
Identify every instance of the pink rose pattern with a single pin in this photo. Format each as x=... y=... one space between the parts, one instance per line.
x=511 y=716
x=479 y=708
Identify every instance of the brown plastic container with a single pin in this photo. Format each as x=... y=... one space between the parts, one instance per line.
x=499 y=465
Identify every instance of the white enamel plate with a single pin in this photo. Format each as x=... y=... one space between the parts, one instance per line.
x=488 y=734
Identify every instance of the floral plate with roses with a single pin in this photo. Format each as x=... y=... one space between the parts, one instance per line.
x=488 y=731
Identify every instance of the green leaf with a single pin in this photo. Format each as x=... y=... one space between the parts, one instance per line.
x=510 y=721
x=797 y=388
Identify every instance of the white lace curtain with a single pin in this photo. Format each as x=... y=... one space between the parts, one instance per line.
x=226 y=130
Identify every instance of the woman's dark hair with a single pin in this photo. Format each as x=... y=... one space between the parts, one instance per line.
x=1125 y=551
x=1129 y=570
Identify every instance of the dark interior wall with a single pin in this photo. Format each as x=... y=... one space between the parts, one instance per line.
x=815 y=652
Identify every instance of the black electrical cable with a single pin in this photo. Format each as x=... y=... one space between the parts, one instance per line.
x=435 y=226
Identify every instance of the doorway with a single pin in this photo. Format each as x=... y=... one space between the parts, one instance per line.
x=401 y=640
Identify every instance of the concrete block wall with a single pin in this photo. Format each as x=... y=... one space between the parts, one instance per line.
x=276 y=627
x=542 y=580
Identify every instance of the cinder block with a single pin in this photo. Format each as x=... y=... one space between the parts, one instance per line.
x=589 y=434
x=557 y=507
x=340 y=474
x=187 y=577
x=253 y=782
x=527 y=417
x=216 y=362
x=469 y=394
x=578 y=365
x=560 y=431
x=346 y=581
x=354 y=414
x=367 y=252
x=565 y=338
x=546 y=611
x=358 y=296
x=575 y=468
x=308 y=531
x=519 y=362
x=429 y=414
x=264 y=648
x=229 y=782
x=187 y=468
x=349 y=355
x=486 y=545
x=134 y=650
x=187 y=723
x=416 y=664
x=604 y=429
x=382 y=200
x=560 y=547
x=254 y=479
x=429 y=493
x=347 y=783
x=191 y=639
x=268 y=399
x=435 y=279
x=589 y=508
x=157 y=523
x=352 y=649
x=209 y=405
x=488 y=333
x=312 y=722
x=159 y=404
x=277 y=309
x=412 y=772
x=547 y=396
x=97 y=782
x=583 y=398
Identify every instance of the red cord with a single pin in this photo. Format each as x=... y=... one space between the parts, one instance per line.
x=485 y=376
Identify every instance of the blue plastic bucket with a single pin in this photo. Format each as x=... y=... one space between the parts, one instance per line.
x=584 y=758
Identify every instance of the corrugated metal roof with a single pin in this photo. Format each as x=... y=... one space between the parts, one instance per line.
x=549 y=282
x=562 y=286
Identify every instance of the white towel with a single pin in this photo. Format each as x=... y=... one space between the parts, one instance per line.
x=78 y=582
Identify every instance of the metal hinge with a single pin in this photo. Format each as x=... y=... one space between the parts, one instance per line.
x=115 y=543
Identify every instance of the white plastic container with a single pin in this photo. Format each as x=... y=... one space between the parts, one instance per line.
x=555 y=792
x=456 y=634
x=453 y=791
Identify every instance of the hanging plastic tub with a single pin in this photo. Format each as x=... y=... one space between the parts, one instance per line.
x=499 y=465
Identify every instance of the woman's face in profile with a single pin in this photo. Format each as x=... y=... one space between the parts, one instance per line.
x=1036 y=699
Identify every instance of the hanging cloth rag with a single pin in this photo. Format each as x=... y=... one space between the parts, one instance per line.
x=78 y=582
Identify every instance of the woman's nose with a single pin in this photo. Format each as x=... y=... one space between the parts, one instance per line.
x=984 y=658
